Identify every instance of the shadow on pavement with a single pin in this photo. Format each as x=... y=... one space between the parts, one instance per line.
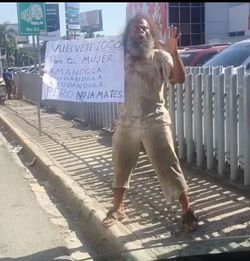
x=57 y=253
x=86 y=156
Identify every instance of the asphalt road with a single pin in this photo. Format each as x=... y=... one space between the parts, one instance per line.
x=26 y=231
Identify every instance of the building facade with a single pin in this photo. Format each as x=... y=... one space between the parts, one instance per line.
x=227 y=22
x=199 y=22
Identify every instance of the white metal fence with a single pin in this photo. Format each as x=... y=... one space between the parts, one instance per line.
x=210 y=116
x=211 y=119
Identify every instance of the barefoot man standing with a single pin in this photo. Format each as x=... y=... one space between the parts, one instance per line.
x=143 y=117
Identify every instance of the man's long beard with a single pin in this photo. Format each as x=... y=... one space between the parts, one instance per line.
x=140 y=49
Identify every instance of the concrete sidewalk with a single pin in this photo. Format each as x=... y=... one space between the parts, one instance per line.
x=78 y=161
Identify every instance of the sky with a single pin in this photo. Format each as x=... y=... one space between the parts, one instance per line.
x=113 y=15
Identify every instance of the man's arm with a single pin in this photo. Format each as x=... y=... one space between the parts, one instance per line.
x=177 y=74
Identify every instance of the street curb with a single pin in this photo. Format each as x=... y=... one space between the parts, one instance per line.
x=77 y=200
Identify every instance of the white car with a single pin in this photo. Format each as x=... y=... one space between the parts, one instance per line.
x=32 y=69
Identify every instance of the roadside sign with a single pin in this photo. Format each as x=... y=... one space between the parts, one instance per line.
x=31 y=18
x=91 y=21
x=53 y=23
x=72 y=11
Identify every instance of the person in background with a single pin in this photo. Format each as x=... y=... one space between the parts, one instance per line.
x=149 y=64
x=9 y=82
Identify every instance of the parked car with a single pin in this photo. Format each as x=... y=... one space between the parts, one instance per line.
x=33 y=70
x=25 y=68
x=14 y=70
x=198 y=55
x=235 y=55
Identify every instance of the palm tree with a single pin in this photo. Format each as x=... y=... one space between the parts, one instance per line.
x=24 y=56
x=8 y=42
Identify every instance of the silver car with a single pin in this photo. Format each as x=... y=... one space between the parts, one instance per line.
x=235 y=55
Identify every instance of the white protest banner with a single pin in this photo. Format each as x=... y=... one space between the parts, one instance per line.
x=90 y=70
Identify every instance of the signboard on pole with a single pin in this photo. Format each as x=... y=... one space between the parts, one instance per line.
x=91 y=21
x=72 y=11
x=90 y=70
x=53 y=23
x=31 y=18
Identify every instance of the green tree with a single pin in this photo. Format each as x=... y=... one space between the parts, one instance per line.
x=24 y=56
x=8 y=43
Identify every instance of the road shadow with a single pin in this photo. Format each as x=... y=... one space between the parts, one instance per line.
x=58 y=253
x=86 y=156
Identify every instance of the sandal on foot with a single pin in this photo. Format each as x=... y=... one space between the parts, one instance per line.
x=113 y=216
x=189 y=221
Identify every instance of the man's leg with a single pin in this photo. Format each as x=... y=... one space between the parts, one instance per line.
x=8 y=89
x=117 y=213
x=159 y=146
x=184 y=200
x=125 y=149
x=118 y=198
x=158 y=143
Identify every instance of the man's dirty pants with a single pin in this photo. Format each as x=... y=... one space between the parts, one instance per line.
x=156 y=136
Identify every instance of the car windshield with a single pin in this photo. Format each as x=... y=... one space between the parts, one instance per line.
x=234 y=55
x=204 y=59
x=196 y=58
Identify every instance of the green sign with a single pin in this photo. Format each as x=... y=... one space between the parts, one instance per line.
x=31 y=18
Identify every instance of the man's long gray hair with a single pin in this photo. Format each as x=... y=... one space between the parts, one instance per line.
x=154 y=32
